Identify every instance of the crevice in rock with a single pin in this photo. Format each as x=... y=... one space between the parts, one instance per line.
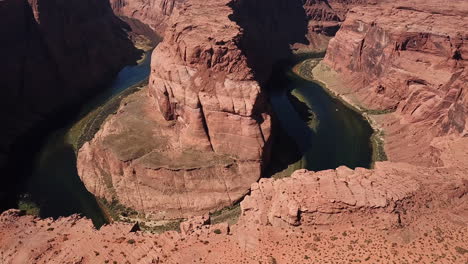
x=205 y=124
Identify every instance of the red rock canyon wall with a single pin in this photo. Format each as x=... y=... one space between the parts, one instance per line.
x=205 y=101
x=154 y=13
x=408 y=211
x=415 y=68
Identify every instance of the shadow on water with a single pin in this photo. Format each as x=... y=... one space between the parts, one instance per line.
x=327 y=134
x=55 y=186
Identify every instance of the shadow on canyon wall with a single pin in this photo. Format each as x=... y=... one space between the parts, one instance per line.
x=55 y=55
x=269 y=29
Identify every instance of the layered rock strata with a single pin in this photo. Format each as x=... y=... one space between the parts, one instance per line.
x=210 y=132
x=53 y=55
x=207 y=82
x=324 y=19
x=202 y=116
x=401 y=212
x=154 y=13
x=414 y=67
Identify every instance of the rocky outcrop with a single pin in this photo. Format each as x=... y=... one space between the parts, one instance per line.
x=53 y=55
x=398 y=211
x=201 y=156
x=324 y=16
x=154 y=13
x=345 y=196
x=331 y=215
x=140 y=159
x=415 y=67
x=210 y=130
x=324 y=19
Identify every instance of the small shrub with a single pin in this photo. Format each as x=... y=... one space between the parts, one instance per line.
x=217 y=231
x=29 y=207
x=131 y=241
x=461 y=250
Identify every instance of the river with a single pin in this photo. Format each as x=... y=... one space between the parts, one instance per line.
x=327 y=133
x=55 y=188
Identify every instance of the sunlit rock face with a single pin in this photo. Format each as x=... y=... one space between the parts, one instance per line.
x=207 y=120
x=386 y=56
x=411 y=60
x=154 y=13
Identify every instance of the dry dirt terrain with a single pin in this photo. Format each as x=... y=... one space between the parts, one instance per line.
x=402 y=63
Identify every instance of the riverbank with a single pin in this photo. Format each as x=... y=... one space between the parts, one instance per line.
x=314 y=70
x=85 y=129
x=53 y=187
x=327 y=132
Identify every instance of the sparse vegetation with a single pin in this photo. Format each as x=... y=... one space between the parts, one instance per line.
x=85 y=129
x=170 y=226
x=461 y=250
x=28 y=206
x=229 y=214
x=116 y=210
x=378 y=149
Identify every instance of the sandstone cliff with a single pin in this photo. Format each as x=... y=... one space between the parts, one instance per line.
x=415 y=67
x=154 y=13
x=204 y=113
x=324 y=19
x=53 y=55
x=402 y=212
x=205 y=116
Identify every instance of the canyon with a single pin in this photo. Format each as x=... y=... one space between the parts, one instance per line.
x=212 y=139
x=55 y=56
x=198 y=136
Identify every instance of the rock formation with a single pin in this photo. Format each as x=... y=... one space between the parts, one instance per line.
x=206 y=82
x=416 y=67
x=204 y=113
x=154 y=13
x=53 y=55
x=408 y=57
x=324 y=19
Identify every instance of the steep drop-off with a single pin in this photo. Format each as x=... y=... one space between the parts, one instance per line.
x=410 y=211
x=54 y=54
x=415 y=67
x=324 y=19
x=154 y=13
x=204 y=114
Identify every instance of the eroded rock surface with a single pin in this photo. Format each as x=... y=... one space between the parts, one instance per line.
x=412 y=208
x=154 y=13
x=208 y=138
x=194 y=140
x=138 y=159
x=324 y=19
x=408 y=58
